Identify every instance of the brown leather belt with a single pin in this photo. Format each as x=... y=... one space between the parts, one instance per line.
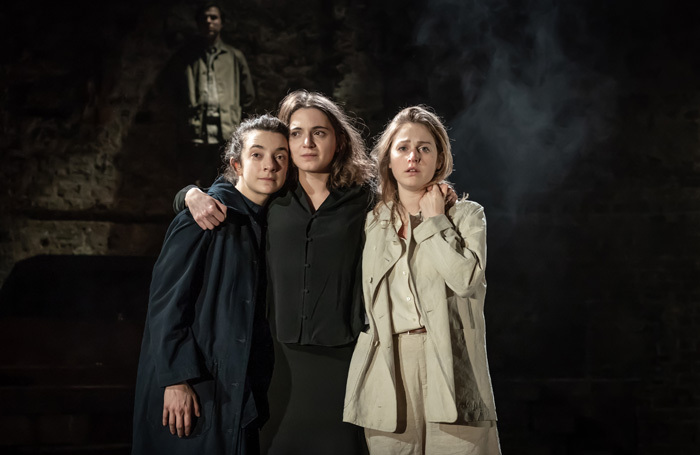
x=414 y=331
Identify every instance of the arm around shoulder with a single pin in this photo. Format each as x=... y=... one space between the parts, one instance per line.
x=179 y=203
x=206 y=210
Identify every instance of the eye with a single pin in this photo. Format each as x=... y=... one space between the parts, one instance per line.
x=402 y=148
x=320 y=133
x=425 y=149
x=255 y=155
x=294 y=134
x=281 y=157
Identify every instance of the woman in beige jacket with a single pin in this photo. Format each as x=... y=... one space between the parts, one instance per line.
x=419 y=381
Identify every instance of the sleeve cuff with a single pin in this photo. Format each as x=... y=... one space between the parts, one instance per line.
x=167 y=379
x=431 y=226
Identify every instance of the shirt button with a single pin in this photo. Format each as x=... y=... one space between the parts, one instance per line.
x=306 y=291
x=408 y=298
x=309 y=239
x=307 y=265
x=305 y=317
x=404 y=272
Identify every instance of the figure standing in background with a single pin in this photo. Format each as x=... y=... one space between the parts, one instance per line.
x=213 y=86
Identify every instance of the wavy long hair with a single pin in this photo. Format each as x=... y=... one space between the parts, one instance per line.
x=351 y=165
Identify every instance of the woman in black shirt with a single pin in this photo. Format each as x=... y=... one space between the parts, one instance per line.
x=314 y=250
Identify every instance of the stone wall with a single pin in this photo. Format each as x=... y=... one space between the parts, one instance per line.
x=89 y=138
x=576 y=125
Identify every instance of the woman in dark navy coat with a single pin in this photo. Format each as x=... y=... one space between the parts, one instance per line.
x=206 y=358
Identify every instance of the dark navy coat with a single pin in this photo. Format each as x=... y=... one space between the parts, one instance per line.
x=203 y=327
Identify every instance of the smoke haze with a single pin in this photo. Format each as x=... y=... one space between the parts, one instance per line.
x=531 y=98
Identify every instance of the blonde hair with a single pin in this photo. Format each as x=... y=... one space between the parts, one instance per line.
x=423 y=115
x=350 y=165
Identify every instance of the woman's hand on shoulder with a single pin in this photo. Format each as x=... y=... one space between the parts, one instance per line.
x=206 y=211
x=432 y=203
x=450 y=195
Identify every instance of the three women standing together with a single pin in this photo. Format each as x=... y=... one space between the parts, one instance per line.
x=418 y=380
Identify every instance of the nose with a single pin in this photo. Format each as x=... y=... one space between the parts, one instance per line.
x=309 y=141
x=269 y=164
x=413 y=156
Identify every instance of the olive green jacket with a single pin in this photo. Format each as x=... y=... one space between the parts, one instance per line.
x=448 y=280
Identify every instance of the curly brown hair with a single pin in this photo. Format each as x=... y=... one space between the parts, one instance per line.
x=351 y=164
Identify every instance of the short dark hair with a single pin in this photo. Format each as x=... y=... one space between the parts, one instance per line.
x=234 y=146
x=203 y=9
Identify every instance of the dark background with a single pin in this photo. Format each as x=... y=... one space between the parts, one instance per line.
x=575 y=123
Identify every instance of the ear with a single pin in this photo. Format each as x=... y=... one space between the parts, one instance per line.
x=236 y=167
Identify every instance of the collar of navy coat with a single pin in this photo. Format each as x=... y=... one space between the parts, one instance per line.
x=239 y=210
x=236 y=206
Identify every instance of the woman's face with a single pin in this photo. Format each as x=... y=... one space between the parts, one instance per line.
x=413 y=157
x=311 y=141
x=263 y=165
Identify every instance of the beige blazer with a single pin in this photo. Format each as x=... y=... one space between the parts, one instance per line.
x=448 y=279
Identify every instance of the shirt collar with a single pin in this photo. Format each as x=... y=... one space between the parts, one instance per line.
x=336 y=196
x=214 y=49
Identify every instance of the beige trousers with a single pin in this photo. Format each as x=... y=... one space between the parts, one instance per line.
x=416 y=436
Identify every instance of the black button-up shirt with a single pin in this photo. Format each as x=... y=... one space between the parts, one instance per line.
x=314 y=265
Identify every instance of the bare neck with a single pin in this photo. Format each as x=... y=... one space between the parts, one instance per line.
x=257 y=198
x=316 y=187
x=211 y=41
x=410 y=200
